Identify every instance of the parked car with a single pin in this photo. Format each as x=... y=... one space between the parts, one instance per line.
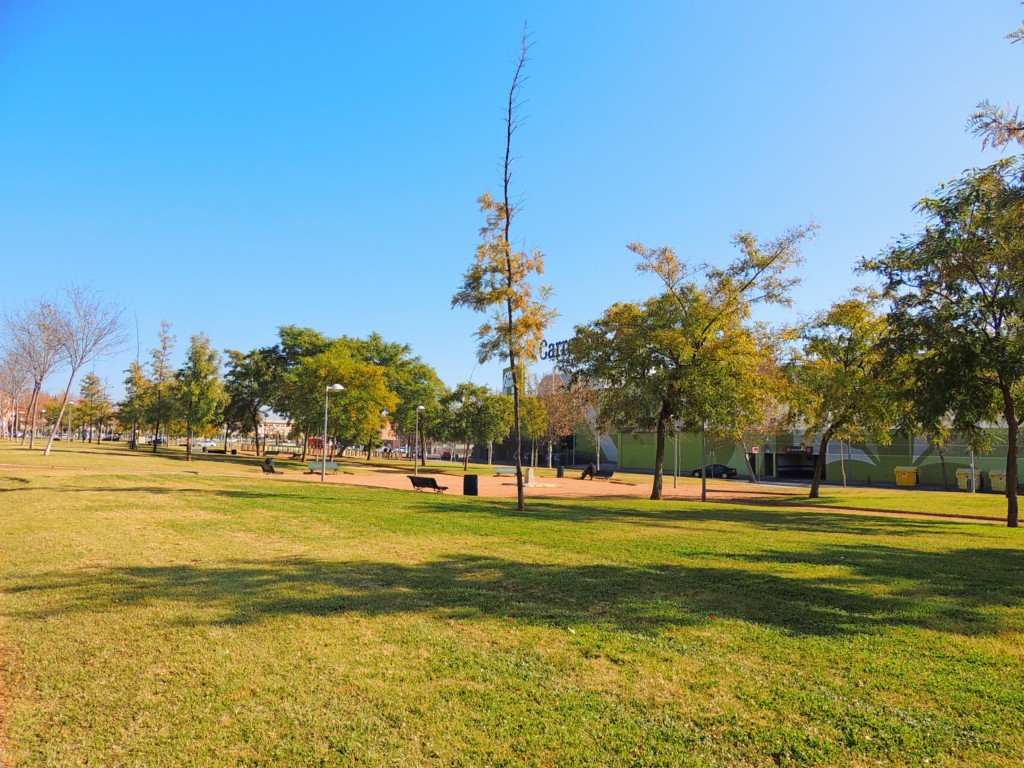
x=716 y=470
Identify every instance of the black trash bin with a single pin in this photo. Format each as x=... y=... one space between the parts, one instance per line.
x=234 y=452
x=561 y=471
x=470 y=485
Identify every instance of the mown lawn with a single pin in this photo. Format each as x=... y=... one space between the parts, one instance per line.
x=176 y=620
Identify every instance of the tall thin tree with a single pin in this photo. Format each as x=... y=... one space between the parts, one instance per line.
x=498 y=280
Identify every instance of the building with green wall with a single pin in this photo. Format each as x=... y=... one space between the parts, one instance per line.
x=792 y=455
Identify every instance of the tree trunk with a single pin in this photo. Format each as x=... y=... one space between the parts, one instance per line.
x=659 y=457
x=33 y=406
x=942 y=463
x=819 y=465
x=465 y=459
x=842 y=463
x=751 y=472
x=188 y=442
x=64 y=403
x=1013 y=434
x=156 y=434
x=704 y=462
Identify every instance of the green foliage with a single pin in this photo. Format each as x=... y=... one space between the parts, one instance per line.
x=957 y=294
x=412 y=381
x=843 y=389
x=535 y=418
x=689 y=357
x=199 y=391
x=251 y=383
x=95 y=407
x=472 y=415
x=159 y=397
x=355 y=413
x=133 y=409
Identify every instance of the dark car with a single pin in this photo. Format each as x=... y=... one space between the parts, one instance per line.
x=716 y=470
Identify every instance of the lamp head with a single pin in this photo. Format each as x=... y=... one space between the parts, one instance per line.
x=335 y=388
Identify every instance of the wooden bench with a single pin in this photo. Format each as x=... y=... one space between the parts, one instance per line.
x=318 y=466
x=500 y=471
x=429 y=483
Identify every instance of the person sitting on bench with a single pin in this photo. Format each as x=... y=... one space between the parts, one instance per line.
x=588 y=472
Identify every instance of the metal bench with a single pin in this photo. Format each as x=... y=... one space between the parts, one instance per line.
x=268 y=468
x=428 y=483
x=500 y=471
x=318 y=466
x=604 y=474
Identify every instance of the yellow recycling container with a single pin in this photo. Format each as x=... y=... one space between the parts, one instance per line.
x=963 y=477
x=906 y=476
x=997 y=480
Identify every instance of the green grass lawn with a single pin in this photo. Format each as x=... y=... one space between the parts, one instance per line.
x=154 y=618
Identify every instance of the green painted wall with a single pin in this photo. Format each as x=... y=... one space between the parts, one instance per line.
x=863 y=463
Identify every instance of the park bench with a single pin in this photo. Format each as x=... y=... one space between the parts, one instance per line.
x=419 y=483
x=500 y=471
x=268 y=468
x=604 y=474
x=318 y=466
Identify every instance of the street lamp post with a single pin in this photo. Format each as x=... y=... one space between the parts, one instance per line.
x=327 y=394
x=416 y=441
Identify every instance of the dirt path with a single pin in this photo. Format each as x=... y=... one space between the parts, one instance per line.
x=570 y=487
x=490 y=486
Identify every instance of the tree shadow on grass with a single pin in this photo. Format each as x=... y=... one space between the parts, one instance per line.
x=875 y=594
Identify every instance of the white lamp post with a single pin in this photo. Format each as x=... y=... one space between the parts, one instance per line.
x=327 y=394
x=416 y=441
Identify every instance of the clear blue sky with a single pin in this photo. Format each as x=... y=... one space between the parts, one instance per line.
x=234 y=167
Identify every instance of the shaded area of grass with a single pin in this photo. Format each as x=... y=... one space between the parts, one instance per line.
x=170 y=619
x=938 y=591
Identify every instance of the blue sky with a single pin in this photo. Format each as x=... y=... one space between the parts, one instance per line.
x=234 y=167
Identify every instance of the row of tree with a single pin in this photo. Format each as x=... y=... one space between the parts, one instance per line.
x=384 y=386
x=67 y=332
x=937 y=350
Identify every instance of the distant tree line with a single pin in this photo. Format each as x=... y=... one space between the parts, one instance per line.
x=210 y=394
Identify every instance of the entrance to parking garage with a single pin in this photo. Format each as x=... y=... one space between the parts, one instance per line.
x=795 y=463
